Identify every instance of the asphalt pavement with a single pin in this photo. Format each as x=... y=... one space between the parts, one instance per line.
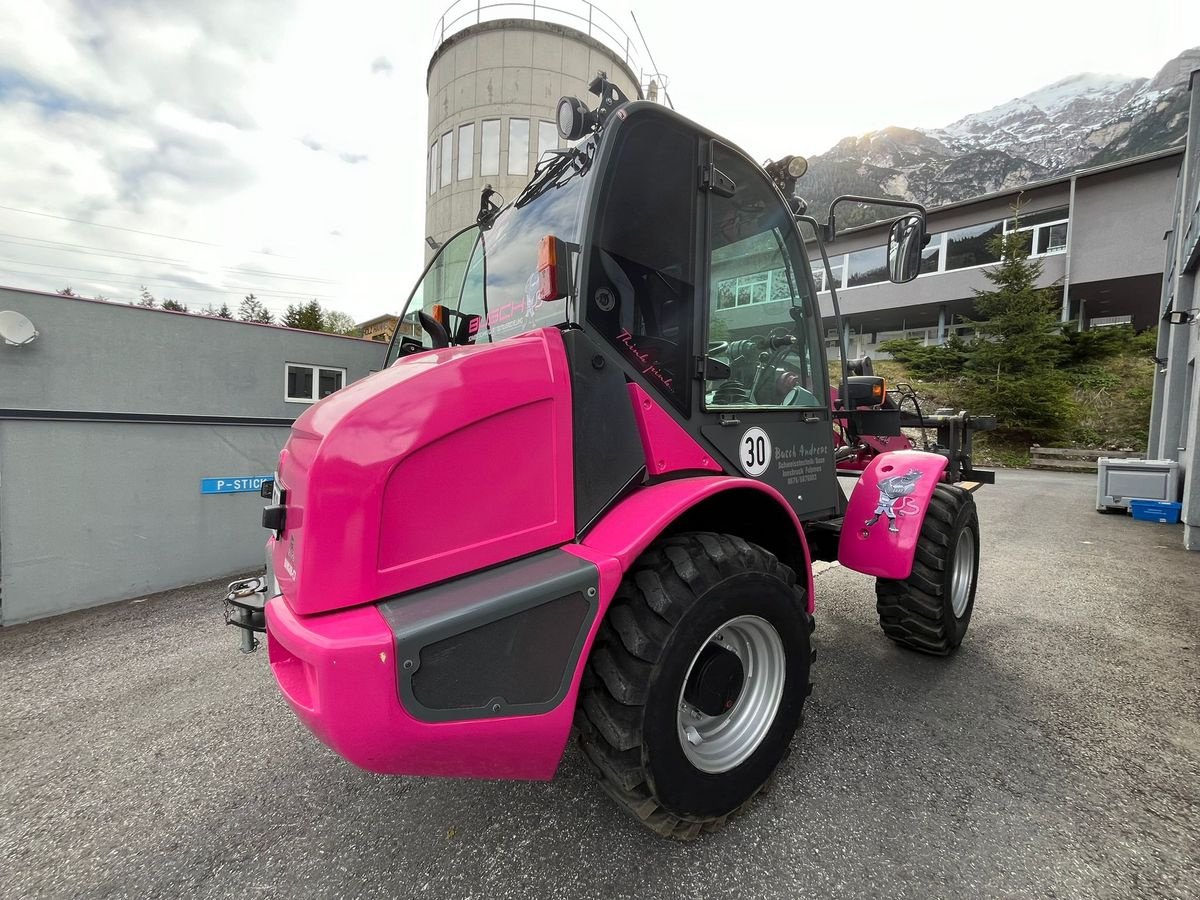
x=1057 y=754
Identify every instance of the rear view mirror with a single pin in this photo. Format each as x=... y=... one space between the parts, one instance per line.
x=905 y=242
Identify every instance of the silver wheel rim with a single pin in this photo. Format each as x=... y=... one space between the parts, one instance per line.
x=963 y=572
x=716 y=744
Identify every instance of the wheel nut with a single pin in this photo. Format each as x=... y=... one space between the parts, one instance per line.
x=693 y=736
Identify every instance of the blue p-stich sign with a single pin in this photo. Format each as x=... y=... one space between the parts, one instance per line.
x=233 y=484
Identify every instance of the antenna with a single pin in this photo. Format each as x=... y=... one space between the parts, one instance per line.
x=15 y=329
x=657 y=71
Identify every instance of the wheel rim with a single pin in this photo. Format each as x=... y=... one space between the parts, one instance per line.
x=963 y=573
x=718 y=743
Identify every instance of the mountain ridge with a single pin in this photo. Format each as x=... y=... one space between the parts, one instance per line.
x=1079 y=121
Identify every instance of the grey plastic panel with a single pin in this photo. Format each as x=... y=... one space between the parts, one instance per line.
x=486 y=629
x=608 y=450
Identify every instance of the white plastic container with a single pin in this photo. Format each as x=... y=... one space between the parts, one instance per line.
x=1122 y=480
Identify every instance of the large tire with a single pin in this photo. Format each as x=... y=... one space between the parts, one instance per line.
x=930 y=610
x=689 y=601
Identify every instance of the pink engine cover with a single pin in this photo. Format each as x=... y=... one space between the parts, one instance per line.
x=886 y=511
x=445 y=463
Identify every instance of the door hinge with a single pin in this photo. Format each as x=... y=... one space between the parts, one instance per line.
x=713 y=179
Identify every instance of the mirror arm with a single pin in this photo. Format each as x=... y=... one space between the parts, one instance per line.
x=830 y=229
x=837 y=311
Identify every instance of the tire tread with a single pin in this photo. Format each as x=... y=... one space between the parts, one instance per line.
x=657 y=592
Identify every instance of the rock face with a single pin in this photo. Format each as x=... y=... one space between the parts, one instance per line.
x=1083 y=120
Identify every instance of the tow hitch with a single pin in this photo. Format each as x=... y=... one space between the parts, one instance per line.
x=244 y=602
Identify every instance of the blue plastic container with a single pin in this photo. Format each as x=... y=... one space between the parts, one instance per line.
x=1155 y=511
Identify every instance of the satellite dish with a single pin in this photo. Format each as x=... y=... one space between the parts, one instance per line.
x=16 y=329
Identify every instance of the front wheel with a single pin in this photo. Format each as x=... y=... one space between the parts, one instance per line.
x=697 y=681
x=930 y=610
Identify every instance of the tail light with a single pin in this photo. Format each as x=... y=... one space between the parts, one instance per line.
x=879 y=392
x=552 y=269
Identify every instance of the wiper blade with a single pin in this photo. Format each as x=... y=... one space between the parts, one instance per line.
x=554 y=170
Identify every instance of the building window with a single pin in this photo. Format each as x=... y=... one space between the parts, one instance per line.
x=1051 y=239
x=466 y=151
x=966 y=247
x=518 y=146
x=743 y=290
x=1028 y=220
x=447 y=158
x=836 y=265
x=489 y=161
x=866 y=267
x=433 y=172
x=308 y=384
x=547 y=138
x=931 y=256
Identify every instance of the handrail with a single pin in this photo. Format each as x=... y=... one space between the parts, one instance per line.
x=583 y=16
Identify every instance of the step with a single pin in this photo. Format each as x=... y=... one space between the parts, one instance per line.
x=1068 y=465
x=1084 y=453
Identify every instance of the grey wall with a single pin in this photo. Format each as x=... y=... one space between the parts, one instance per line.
x=1175 y=414
x=93 y=511
x=1119 y=220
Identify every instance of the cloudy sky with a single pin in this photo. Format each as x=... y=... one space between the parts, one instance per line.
x=207 y=148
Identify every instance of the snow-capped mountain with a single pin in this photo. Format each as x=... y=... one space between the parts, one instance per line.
x=1085 y=119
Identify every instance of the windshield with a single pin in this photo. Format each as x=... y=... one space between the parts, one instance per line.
x=492 y=272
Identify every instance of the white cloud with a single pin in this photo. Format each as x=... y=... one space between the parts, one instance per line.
x=288 y=136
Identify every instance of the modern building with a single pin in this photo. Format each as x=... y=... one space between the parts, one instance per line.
x=1175 y=412
x=1097 y=232
x=133 y=442
x=380 y=328
x=494 y=82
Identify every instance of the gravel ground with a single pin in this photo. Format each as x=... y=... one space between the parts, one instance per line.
x=1056 y=755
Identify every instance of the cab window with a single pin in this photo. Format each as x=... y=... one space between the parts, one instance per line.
x=641 y=283
x=759 y=299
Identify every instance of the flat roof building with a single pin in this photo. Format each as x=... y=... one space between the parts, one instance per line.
x=1097 y=232
x=1175 y=412
x=133 y=442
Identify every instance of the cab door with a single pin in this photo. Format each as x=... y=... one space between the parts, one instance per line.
x=765 y=402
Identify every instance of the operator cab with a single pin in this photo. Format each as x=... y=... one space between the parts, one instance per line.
x=678 y=257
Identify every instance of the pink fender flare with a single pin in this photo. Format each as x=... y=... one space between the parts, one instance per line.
x=633 y=524
x=886 y=511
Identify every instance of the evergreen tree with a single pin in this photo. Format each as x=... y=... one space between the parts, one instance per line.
x=67 y=292
x=174 y=305
x=147 y=298
x=1012 y=368
x=223 y=312
x=308 y=316
x=253 y=310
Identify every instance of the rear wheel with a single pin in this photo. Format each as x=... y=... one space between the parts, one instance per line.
x=930 y=610
x=697 y=681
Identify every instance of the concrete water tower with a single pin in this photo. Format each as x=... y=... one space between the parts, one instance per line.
x=494 y=82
